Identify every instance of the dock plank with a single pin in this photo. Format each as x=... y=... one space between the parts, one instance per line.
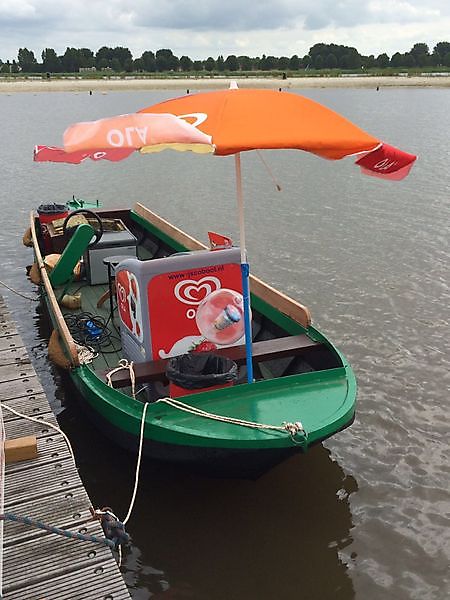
x=14 y=355
x=39 y=483
x=15 y=371
x=78 y=585
x=17 y=427
x=32 y=405
x=62 y=509
x=49 y=557
x=10 y=341
x=20 y=387
x=38 y=564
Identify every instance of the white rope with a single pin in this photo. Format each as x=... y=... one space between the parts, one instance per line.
x=86 y=354
x=41 y=422
x=124 y=364
x=138 y=464
x=291 y=428
x=18 y=293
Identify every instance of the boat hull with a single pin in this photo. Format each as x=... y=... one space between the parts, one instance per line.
x=208 y=461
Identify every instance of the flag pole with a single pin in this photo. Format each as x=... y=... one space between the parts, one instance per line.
x=245 y=270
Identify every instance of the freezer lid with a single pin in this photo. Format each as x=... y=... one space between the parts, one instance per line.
x=116 y=238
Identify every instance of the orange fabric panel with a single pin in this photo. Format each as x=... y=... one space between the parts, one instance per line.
x=247 y=119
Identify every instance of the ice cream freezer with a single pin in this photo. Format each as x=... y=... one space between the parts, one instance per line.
x=117 y=243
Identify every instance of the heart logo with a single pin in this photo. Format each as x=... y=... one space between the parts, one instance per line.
x=193 y=292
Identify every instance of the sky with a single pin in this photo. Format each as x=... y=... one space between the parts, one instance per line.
x=202 y=28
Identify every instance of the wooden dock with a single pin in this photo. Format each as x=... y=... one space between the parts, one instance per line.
x=38 y=565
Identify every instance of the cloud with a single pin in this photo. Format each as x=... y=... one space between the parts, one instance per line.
x=203 y=15
x=201 y=28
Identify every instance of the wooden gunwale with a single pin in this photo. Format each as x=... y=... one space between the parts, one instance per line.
x=61 y=325
x=296 y=311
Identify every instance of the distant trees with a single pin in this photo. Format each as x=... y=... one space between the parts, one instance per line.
x=294 y=63
x=185 y=64
x=441 y=54
x=148 y=61
x=166 y=61
x=27 y=61
x=231 y=63
x=51 y=62
x=382 y=60
x=210 y=64
x=320 y=56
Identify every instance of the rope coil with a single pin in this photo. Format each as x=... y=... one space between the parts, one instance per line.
x=124 y=364
x=86 y=354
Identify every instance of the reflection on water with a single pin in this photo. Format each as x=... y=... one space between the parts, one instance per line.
x=364 y=517
x=202 y=538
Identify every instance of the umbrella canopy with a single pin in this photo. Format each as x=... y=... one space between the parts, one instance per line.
x=230 y=122
x=239 y=120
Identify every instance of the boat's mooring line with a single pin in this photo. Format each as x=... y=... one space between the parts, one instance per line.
x=138 y=464
x=64 y=532
x=115 y=534
x=41 y=422
x=292 y=429
x=18 y=293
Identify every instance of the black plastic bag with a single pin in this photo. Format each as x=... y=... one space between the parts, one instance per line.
x=198 y=370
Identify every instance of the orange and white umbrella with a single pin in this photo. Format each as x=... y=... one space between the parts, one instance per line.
x=230 y=122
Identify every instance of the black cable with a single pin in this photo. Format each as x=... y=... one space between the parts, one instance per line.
x=91 y=330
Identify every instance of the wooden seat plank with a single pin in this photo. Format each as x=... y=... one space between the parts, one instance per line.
x=155 y=370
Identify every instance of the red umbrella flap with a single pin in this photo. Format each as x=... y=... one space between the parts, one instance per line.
x=386 y=162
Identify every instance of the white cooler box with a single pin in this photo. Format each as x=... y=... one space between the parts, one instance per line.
x=112 y=243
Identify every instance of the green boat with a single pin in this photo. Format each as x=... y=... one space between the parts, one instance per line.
x=173 y=347
x=118 y=340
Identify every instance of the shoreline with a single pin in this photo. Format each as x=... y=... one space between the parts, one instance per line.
x=194 y=84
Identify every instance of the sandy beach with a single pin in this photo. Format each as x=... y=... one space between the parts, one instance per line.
x=74 y=84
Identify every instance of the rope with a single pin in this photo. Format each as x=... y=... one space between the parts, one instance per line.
x=123 y=364
x=292 y=429
x=138 y=464
x=86 y=354
x=115 y=531
x=19 y=293
x=55 y=427
x=269 y=170
x=64 y=532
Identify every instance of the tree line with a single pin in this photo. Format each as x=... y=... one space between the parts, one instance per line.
x=320 y=56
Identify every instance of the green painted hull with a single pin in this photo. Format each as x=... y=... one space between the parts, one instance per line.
x=323 y=401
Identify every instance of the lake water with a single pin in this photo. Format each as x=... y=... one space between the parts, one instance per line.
x=364 y=516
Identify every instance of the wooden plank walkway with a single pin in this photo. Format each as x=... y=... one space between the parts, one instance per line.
x=37 y=564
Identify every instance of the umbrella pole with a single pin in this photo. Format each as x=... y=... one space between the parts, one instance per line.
x=245 y=270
